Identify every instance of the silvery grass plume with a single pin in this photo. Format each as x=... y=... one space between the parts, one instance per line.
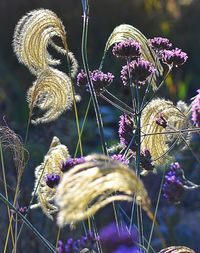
x=125 y=31
x=177 y=249
x=159 y=118
x=51 y=92
x=10 y=140
x=50 y=166
x=88 y=187
x=33 y=34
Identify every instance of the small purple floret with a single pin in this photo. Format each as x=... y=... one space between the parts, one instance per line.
x=72 y=245
x=159 y=43
x=175 y=57
x=82 y=79
x=120 y=158
x=99 y=79
x=111 y=239
x=126 y=128
x=196 y=110
x=161 y=120
x=52 y=180
x=127 y=49
x=70 y=163
x=139 y=70
x=173 y=187
x=146 y=160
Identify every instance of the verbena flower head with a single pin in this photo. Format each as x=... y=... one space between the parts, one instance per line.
x=99 y=79
x=72 y=245
x=50 y=166
x=161 y=120
x=159 y=43
x=146 y=160
x=52 y=180
x=71 y=162
x=120 y=158
x=139 y=69
x=173 y=187
x=111 y=240
x=82 y=78
x=175 y=57
x=126 y=128
x=196 y=109
x=128 y=48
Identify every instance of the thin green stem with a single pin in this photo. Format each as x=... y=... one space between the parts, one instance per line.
x=28 y=224
x=128 y=108
x=155 y=92
x=83 y=125
x=91 y=87
x=116 y=105
x=57 y=238
x=155 y=214
x=6 y=193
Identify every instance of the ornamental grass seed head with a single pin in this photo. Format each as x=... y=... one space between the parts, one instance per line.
x=177 y=249
x=51 y=92
x=89 y=186
x=47 y=175
x=122 y=33
x=155 y=137
x=32 y=36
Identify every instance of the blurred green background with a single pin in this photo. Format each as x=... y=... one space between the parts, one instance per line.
x=177 y=20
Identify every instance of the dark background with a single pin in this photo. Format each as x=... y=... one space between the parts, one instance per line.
x=178 y=20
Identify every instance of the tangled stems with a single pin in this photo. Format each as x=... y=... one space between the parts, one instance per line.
x=86 y=69
x=32 y=228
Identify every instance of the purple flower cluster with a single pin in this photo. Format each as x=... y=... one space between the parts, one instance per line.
x=196 y=109
x=126 y=131
x=173 y=187
x=113 y=241
x=72 y=246
x=127 y=49
x=70 y=163
x=120 y=158
x=146 y=160
x=52 y=180
x=161 y=121
x=175 y=57
x=159 y=43
x=99 y=79
x=82 y=78
x=138 y=70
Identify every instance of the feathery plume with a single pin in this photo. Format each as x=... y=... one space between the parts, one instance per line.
x=177 y=249
x=32 y=36
x=124 y=32
x=10 y=140
x=158 y=117
x=88 y=187
x=51 y=92
x=51 y=165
